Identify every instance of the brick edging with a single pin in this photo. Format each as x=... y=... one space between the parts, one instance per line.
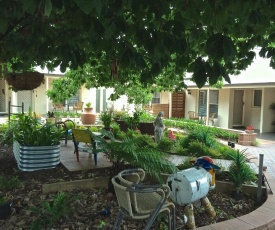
x=261 y=218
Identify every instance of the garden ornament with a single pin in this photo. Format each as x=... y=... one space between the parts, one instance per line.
x=192 y=186
x=171 y=135
x=159 y=127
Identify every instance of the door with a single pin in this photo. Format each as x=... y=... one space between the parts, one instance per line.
x=238 y=108
x=178 y=104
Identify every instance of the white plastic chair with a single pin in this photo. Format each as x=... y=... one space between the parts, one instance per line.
x=137 y=201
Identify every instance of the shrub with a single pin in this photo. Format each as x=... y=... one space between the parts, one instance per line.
x=199 y=149
x=165 y=144
x=6 y=134
x=186 y=164
x=202 y=134
x=146 y=140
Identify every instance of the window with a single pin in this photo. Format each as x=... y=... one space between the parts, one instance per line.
x=156 y=98
x=213 y=102
x=257 y=98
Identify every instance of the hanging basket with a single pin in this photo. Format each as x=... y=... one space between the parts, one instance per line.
x=24 y=81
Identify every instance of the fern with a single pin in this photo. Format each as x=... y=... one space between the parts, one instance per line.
x=50 y=213
x=132 y=150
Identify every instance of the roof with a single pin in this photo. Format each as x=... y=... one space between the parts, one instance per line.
x=259 y=73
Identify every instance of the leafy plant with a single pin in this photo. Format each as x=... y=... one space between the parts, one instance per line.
x=106 y=117
x=30 y=133
x=133 y=121
x=8 y=183
x=165 y=144
x=256 y=143
x=88 y=105
x=118 y=114
x=6 y=133
x=202 y=134
x=185 y=164
x=50 y=213
x=131 y=150
x=146 y=117
x=3 y=200
x=239 y=172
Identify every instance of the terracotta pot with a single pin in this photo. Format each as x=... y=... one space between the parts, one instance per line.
x=87 y=117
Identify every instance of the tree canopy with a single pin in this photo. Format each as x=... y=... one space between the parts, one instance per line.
x=152 y=42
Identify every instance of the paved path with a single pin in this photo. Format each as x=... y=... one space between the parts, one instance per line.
x=267 y=148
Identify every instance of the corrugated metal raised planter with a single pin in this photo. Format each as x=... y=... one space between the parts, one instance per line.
x=31 y=158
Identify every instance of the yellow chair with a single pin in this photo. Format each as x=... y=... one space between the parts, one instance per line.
x=78 y=106
x=85 y=136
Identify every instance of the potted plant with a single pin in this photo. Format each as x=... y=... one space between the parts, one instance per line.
x=146 y=123
x=36 y=146
x=106 y=117
x=87 y=117
x=239 y=172
x=37 y=116
x=88 y=106
x=249 y=129
x=133 y=121
x=5 y=207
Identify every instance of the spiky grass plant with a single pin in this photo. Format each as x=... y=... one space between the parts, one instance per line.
x=239 y=172
x=132 y=151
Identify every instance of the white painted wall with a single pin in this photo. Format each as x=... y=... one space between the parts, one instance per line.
x=164 y=98
x=39 y=102
x=223 y=108
x=268 y=114
x=88 y=95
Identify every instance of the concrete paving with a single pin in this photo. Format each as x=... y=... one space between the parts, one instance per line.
x=266 y=147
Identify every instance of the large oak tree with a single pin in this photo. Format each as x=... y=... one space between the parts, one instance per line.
x=152 y=42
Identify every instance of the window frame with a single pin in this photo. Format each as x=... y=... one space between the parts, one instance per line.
x=156 y=96
x=259 y=100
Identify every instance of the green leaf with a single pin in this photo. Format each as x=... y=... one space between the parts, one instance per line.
x=3 y=24
x=98 y=5
x=29 y=6
x=48 y=8
x=110 y=31
x=262 y=52
x=86 y=5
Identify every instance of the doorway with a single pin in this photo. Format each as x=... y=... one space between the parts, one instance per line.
x=238 y=108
